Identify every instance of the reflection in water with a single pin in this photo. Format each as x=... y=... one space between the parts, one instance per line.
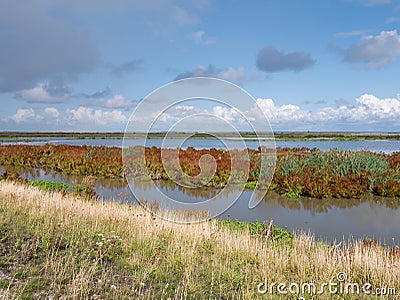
x=310 y=204
x=324 y=205
x=329 y=219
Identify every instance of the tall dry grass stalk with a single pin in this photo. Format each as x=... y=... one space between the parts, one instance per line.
x=108 y=250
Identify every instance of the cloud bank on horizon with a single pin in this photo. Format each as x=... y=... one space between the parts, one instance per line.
x=83 y=66
x=366 y=112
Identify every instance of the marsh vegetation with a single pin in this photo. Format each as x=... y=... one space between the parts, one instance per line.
x=298 y=172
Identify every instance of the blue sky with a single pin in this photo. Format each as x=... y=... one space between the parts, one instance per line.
x=311 y=65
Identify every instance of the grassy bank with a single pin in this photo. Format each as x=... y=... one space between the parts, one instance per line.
x=54 y=245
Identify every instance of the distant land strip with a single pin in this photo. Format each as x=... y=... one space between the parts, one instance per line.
x=280 y=135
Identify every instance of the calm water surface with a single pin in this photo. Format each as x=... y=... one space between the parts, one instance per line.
x=328 y=219
x=386 y=146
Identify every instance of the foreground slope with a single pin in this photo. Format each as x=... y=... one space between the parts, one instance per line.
x=59 y=246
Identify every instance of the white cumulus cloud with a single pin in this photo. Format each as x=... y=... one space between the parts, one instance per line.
x=280 y=114
x=85 y=115
x=229 y=114
x=26 y=115
x=366 y=109
x=118 y=101
x=52 y=112
x=388 y=108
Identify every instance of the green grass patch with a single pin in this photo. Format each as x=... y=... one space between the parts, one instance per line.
x=49 y=185
x=84 y=189
x=255 y=228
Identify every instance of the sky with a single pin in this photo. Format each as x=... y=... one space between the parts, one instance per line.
x=327 y=65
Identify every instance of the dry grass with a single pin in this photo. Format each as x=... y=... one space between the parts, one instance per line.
x=65 y=247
